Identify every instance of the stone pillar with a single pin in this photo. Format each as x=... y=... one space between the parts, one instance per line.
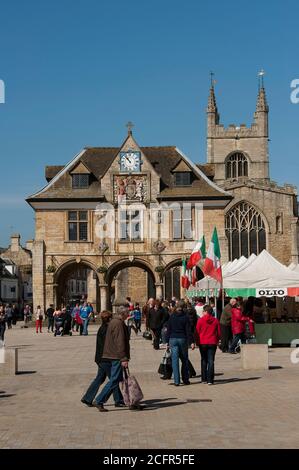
x=91 y=287
x=38 y=274
x=104 y=296
x=159 y=290
x=295 y=240
x=49 y=291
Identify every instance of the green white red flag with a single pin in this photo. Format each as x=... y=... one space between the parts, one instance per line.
x=198 y=254
x=212 y=264
x=185 y=280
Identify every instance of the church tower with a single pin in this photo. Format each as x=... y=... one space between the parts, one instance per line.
x=239 y=153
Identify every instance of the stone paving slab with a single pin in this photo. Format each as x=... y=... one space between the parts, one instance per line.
x=40 y=407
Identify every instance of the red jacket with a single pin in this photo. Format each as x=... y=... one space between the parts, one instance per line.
x=238 y=321
x=207 y=330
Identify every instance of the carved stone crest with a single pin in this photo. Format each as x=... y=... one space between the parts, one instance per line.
x=103 y=246
x=159 y=246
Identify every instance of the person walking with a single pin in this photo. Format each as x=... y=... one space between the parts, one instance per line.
x=117 y=350
x=137 y=317
x=75 y=315
x=8 y=313
x=15 y=314
x=39 y=316
x=50 y=316
x=85 y=314
x=207 y=337
x=2 y=323
x=238 y=326
x=178 y=337
x=104 y=366
x=225 y=325
x=27 y=314
x=156 y=320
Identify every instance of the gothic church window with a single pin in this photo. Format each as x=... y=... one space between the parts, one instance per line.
x=236 y=166
x=245 y=230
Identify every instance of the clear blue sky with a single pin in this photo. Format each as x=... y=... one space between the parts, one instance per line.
x=77 y=70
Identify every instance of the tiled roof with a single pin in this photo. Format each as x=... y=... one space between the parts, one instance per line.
x=163 y=159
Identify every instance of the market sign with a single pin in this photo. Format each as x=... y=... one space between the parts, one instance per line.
x=277 y=292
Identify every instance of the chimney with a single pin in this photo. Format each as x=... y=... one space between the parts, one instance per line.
x=29 y=245
x=15 y=242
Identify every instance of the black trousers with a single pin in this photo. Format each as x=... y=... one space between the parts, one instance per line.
x=2 y=331
x=207 y=352
x=226 y=337
x=157 y=334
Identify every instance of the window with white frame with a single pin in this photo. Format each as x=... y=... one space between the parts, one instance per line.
x=182 y=223
x=130 y=224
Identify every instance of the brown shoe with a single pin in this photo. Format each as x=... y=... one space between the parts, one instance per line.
x=101 y=408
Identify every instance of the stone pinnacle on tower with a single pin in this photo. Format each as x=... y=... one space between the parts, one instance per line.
x=261 y=104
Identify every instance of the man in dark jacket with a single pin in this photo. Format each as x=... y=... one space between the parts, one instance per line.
x=178 y=337
x=104 y=366
x=117 y=351
x=225 y=325
x=156 y=318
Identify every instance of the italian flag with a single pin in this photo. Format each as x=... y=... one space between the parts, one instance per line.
x=185 y=281
x=198 y=254
x=212 y=264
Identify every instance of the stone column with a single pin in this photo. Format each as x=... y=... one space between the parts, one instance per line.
x=104 y=296
x=159 y=290
x=91 y=287
x=38 y=274
x=295 y=240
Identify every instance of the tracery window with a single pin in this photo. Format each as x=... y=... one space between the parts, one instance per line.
x=245 y=230
x=236 y=166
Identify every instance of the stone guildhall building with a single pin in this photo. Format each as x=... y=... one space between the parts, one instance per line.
x=122 y=218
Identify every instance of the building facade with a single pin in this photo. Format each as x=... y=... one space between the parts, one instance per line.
x=129 y=214
x=18 y=261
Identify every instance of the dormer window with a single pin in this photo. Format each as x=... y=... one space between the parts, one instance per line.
x=182 y=178
x=80 y=181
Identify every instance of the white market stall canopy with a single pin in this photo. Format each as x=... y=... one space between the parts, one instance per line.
x=256 y=276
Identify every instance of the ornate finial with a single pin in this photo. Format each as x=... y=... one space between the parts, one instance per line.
x=213 y=81
x=130 y=126
x=261 y=78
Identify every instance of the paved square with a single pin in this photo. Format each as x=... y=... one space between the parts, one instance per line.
x=40 y=407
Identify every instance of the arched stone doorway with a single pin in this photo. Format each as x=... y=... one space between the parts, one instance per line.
x=135 y=279
x=172 y=279
x=76 y=281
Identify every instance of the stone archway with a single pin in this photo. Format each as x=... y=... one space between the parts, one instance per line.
x=75 y=281
x=142 y=276
x=172 y=279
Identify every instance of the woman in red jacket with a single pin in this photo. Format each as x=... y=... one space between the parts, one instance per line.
x=238 y=326
x=207 y=337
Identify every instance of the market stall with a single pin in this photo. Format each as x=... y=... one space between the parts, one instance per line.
x=261 y=277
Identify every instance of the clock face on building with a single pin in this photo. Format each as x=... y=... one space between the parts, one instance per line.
x=130 y=161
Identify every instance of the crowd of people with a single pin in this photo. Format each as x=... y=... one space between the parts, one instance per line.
x=175 y=326
x=178 y=324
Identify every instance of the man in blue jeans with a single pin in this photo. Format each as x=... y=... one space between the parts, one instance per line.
x=178 y=337
x=104 y=366
x=85 y=314
x=117 y=350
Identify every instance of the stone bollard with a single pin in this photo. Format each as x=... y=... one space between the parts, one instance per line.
x=8 y=361
x=254 y=357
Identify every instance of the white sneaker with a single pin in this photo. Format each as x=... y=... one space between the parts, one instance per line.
x=210 y=383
